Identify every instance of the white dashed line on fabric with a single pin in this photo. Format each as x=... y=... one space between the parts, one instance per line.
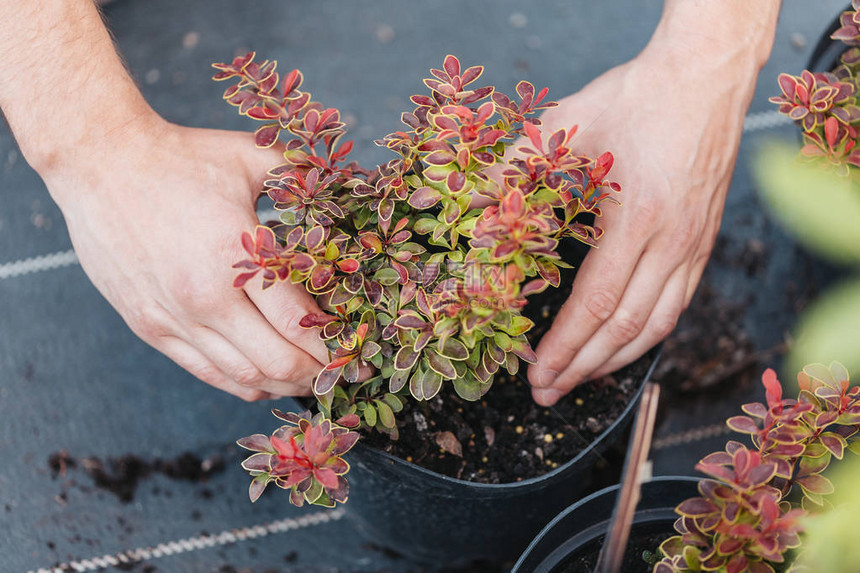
x=194 y=543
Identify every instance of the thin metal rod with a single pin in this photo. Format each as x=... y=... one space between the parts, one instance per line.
x=612 y=552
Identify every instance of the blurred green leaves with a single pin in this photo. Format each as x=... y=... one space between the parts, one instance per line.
x=830 y=543
x=822 y=210
x=818 y=207
x=830 y=329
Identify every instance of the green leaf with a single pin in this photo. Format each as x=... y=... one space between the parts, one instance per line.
x=432 y=383
x=370 y=415
x=425 y=383
x=468 y=388
x=454 y=349
x=519 y=325
x=504 y=341
x=425 y=225
x=386 y=276
x=324 y=500
x=393 y=401
x=386 y=415
x=314 y=492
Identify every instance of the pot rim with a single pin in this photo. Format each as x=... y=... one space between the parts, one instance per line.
x=654 y=353
x=824 y=53
x=646 y=515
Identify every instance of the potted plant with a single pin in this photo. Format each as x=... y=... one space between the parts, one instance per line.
x=749 y=511
x=424 y=290
x=817 y=198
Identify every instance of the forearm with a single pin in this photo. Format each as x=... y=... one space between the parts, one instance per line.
x=721 y=35
x=63 y=88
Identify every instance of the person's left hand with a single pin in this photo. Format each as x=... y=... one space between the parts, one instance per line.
x=674 y=131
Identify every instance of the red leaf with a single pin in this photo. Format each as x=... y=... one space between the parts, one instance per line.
x=316 y=319
x=348 y=265
x=534 y=135
x=339 y=362
x=831 y=128
x=440 y=158
x=267 y=135
x=325 y=381
x=696 y=507
x=773 y=389
x=256 y=443
x=242 y=279
x=452 y=65
x=348 y=421
x=455 y=182
x=816 y=484
x=742 y=424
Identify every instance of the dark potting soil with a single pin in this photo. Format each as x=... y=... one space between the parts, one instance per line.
x=506 y=437
x=644 y=537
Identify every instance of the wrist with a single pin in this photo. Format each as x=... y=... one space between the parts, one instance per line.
x=63 y=88
x=80 y=132
x=731 y=36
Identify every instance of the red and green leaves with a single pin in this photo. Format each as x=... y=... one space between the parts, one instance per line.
x=825 y=106
x=745 y=519
x=417 y=290
x=303 y=457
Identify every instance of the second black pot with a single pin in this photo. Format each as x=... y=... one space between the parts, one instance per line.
x=579 y=529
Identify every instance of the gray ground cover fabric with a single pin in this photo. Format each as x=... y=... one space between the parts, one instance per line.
x=74 y=378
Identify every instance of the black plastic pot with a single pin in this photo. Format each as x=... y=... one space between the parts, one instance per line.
x=580 y=527
x=435 y=519
x=825 y=56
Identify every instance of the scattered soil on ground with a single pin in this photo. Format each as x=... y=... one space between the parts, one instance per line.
x=121 y=475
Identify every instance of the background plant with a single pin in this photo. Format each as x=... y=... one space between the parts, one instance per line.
x=749 y=516
x=817 y=199
x=411 y=279
x=824 y=104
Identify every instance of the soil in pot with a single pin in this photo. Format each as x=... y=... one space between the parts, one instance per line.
x=643 y=537
x=506 y=437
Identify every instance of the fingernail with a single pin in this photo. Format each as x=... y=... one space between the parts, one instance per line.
x=546 y=397
x=546 y=378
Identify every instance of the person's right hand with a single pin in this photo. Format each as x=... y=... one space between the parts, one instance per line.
x=156 y=212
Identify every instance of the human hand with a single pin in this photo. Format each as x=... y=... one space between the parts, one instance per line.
x=674 y=130
x=155 y=212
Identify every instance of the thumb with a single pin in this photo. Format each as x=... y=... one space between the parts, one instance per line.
x=258 y=161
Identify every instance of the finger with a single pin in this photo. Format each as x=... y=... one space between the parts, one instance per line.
x=239 y=368
x=283 y=305
x=258 y=161
x=273 y=355
x=597 y=290
x=622 y=327
x=660 y=324
x=694 y=278
x=706 y=245
x=204 y=369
